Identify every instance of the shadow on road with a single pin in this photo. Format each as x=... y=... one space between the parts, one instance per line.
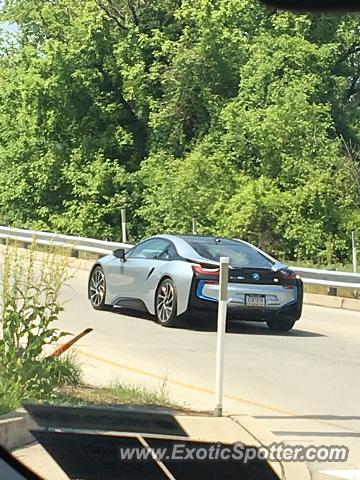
x=260 y=328
x=241 y=327
x=133 y=313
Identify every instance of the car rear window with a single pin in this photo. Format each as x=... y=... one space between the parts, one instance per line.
x=240 y=254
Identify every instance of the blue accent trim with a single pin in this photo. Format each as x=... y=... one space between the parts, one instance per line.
x=200 y=294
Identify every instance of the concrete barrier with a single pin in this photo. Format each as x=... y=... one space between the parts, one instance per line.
x=350 y=304
x=332 y=302
x=15 y=429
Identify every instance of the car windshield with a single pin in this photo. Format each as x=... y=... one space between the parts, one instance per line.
x=240 y=254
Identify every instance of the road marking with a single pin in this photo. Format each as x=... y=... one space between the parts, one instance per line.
x=184 y=384
x=210 y=391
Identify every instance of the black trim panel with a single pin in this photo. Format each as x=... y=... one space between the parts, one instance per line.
x=196 y=305
x=131 y=304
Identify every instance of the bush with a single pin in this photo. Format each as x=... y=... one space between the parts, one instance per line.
x=29 y=305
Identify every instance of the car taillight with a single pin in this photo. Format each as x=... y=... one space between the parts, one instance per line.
x=288 y=276
x=206 y=270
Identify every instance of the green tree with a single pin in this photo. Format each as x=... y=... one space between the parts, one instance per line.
x=223 y=110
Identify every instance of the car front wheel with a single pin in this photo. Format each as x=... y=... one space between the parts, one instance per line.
x=97 y=289
x=165 y=303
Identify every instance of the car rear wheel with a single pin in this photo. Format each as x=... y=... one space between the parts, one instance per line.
x=281 y=324
x=165 y=303
x=97 y=289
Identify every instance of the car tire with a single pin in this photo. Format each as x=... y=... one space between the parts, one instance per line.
x=97 y=289
x=166 y=303
x=281 y=324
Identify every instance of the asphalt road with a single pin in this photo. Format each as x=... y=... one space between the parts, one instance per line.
x=303 y=384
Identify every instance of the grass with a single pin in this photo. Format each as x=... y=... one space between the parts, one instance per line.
x=115 y=394
x=138 y=393
x=68 y=371
x=74 y=392
x=4 y=409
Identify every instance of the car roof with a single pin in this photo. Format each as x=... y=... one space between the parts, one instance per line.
x=183 y=244
x=184 y=248
x=205 y=238
x=199 y=238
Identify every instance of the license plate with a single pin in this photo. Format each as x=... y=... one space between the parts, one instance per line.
x=255 y=300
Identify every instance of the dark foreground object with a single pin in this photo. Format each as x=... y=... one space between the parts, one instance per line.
x=12 y=469
x=87 y=443
x=88 y=456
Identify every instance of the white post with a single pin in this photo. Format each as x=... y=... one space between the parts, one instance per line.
x=194 y=229
x=123 y=225
x=354 y=252
x=221 y=322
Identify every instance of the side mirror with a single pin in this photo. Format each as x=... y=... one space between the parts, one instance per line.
x=119 y=253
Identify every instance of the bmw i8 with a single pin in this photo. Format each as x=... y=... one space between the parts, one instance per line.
x=173 y=276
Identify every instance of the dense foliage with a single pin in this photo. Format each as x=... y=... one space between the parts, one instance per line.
x=29 y=305
x=243 y=117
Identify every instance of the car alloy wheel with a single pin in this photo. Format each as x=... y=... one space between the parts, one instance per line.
x=97 y=289
x=166 y=303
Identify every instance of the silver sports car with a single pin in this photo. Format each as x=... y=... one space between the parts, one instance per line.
x=171 y=276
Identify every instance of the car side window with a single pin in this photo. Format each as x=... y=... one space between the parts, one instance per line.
x=152 y=248
x=169 y=253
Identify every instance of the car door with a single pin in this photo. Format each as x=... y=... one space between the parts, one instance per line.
x=130 y=275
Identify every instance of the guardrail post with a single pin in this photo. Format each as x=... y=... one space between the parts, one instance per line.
x=221 y=326
x=123 y=225
x=194 y=226
x=354 y=252
x=332 y=291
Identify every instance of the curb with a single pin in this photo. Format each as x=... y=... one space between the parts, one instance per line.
x=15 y=429
x=332 y=302
x=263 y=437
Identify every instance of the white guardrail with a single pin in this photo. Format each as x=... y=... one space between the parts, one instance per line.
x=329 y=278
x=81 y=244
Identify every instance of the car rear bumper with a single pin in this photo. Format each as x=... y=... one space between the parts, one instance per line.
x=278 y=300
